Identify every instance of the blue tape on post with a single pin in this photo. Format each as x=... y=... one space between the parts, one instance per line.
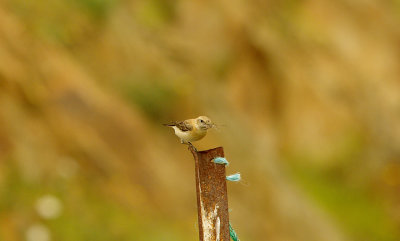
x=234 y=177
x=232 y=233
x=221 y=160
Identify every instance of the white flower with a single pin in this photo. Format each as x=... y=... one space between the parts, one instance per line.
x=37 y=232
x=48 y=206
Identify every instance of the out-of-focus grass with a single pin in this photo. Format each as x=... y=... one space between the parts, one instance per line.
x=155 y=13
x=87 y=213
x=97 y=8
x=63 y=22
x=362 y=216
x=155 y=98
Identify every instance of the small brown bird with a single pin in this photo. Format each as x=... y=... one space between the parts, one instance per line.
x=192 y=129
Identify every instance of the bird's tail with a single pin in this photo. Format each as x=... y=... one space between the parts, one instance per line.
x=169 y=124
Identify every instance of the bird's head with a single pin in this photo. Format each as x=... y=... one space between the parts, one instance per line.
x=204 y=123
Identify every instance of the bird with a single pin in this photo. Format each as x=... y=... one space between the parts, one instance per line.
x=191 y=129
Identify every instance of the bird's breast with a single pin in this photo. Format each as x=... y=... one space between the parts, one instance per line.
x=188 y=136
x=198 y=134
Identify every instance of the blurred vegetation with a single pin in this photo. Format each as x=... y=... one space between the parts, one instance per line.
x=306 y=93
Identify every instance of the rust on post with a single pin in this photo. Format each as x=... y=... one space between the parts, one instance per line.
x=212 y=199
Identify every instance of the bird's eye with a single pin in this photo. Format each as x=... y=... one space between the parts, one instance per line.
x=201 y=121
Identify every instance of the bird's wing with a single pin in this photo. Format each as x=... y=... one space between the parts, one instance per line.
x=182 y=125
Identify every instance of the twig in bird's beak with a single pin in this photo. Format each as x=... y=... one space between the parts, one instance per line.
x=216 y=126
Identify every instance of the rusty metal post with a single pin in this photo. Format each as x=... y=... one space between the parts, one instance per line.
x=212 y=199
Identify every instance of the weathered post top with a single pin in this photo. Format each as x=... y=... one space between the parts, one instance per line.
x=212 y=199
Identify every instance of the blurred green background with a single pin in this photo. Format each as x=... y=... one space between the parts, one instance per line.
x=307 y=94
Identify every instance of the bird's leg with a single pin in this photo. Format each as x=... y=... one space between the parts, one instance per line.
x=191 y=146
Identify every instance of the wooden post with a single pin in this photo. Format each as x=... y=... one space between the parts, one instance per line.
x=212 y=198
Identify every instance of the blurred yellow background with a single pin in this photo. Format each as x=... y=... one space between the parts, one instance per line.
x=307 y=94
